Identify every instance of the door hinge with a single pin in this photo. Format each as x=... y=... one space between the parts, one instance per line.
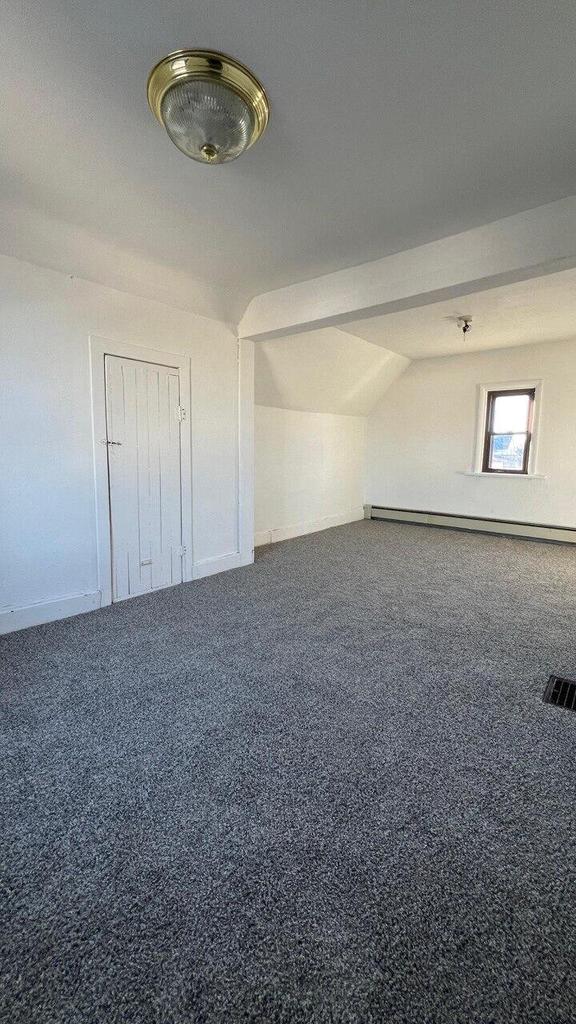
x=181 y=413
x=182 y=551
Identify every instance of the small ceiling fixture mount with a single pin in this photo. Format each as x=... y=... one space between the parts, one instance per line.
x=465 y=324
x=212 y=107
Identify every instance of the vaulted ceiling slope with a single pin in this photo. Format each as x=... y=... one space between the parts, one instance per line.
x=324 y=371
x=349 y=371
x=522 y=313
x=392 y=124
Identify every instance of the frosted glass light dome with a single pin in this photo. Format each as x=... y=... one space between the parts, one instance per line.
x=207 y=121
x=212 y=107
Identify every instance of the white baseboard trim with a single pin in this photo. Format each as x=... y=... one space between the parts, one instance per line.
x=311 y=526
x=210 y=566
x=512 y=528
x=12 y=619
x=262 y=537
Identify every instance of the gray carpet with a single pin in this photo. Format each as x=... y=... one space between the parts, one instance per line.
x=323 y=789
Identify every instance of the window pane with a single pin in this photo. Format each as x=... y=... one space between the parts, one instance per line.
x=507 y=452
x=510 y=414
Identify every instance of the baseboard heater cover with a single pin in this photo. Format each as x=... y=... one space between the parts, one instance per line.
x=455 y=521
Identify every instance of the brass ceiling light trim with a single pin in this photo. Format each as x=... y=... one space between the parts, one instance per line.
x=212 y=107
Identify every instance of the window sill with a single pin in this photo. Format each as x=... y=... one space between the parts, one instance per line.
x=506 y=476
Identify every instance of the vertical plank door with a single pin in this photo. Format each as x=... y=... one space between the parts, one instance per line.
x=143 y=443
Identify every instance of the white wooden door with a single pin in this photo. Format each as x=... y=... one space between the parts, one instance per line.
x=143 y=443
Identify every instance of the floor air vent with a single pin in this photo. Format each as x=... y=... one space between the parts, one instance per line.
x=561 y=692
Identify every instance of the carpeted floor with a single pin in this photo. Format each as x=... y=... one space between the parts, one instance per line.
x=323 y=789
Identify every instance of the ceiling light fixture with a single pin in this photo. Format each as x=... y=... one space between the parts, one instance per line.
x=212 y=107
x=465 y=324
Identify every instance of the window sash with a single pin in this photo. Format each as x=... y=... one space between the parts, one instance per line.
x=489 y=431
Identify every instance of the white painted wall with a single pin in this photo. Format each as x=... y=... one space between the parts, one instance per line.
x=309 y=471
x=421 y=437
x=47 y=506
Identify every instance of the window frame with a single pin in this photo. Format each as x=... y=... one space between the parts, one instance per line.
x=520 y=384
x=492 y=394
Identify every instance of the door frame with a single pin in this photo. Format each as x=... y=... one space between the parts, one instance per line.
x=99 y=349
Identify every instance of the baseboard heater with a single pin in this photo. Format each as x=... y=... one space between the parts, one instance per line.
x=509 y=527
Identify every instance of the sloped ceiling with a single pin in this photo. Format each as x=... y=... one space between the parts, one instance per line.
x=392 y=124
x=523 y=313
x=333 y=370
x=324 y=371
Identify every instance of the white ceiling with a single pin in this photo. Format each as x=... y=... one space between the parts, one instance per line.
x=393 y=123
x=324 y=371
x=543 y=309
